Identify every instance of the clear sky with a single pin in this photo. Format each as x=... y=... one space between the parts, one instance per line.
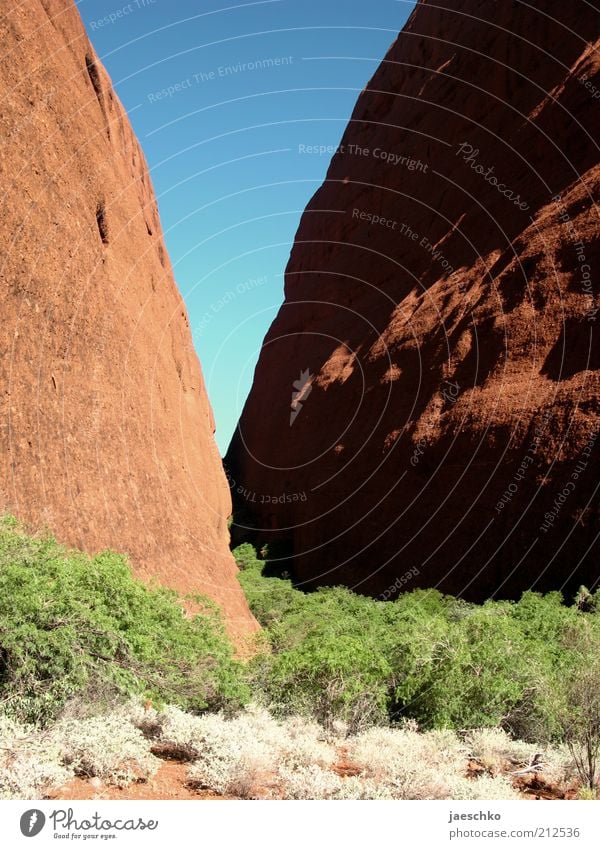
x=225 y=98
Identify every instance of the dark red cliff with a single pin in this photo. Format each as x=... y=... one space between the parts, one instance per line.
x=427 y=398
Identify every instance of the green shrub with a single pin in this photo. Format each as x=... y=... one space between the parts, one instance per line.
x=476 y=674
x=426 y=656
x=245 y=556
x=269 y=599
x=330 y=678
x=77 y=625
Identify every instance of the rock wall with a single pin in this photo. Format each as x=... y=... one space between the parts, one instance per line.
x=107 y=432
x=425 y=410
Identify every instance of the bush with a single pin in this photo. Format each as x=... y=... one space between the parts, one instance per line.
x=77 y=625
x=478 y=673
x=578 y=706
x=269 y=599
x=177 y=734
x=408 y=764
x=245 y=556
x=492 y=747
x=309 y=782
x=254 y=755
x=303 y=743
x=328 y=656
x=330 y=678
x=105 y=747
x=484 y=787
x=30 y=762
x=338 y=656
x=236 y=756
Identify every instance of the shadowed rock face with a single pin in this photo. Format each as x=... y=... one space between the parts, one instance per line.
x=107 y=432
x=446 y=355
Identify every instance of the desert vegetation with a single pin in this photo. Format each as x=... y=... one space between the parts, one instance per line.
x=253 y=755
x=79 y=626
x=528 y=669
x=103 y=678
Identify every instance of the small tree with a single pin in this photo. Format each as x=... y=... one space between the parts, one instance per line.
x=578 y=713
x=581 y=723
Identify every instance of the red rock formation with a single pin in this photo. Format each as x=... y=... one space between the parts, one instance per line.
x=107 y=432
x=441 y=320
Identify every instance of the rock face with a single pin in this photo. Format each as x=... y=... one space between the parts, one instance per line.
x=107 y=432
x=440 y=332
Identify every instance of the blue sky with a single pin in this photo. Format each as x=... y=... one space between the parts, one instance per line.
x=225 y=98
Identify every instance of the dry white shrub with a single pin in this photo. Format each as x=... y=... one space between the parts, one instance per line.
x=107 y=747
x=301 y=743
x=253 y=754
x=498 y=752
x=315 y=783
x=309 y=782
x=240 y=756
x=559 y=766
x=30 y=762
x=141 y=714
x=180 y=734
x=338 y=729
x=494 y=749
x=409 y=765
x=360 y=787
x=231 y=758
x=484 y=788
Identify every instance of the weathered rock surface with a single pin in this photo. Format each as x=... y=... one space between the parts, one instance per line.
x=447 y=356
x=107 y=432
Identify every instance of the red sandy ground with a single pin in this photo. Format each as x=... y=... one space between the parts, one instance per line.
x=170 y=782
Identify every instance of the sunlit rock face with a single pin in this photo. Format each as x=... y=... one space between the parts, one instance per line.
x=107 y=432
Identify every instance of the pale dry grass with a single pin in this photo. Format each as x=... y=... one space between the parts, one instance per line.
x=253 y=755
x=30 y=762
x=408 y=764
x=496 y=751
x=493 y=748
x=107 y=747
